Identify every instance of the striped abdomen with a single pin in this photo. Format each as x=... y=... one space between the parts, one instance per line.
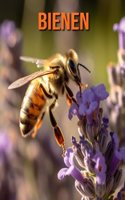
x=32 y=107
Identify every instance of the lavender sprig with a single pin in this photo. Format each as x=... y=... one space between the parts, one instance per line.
x=116 y=75
x=96 y=160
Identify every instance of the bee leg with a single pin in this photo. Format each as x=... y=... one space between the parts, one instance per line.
x=68 y=100
x=38 y=125
x=57 y=132
x=84 y=85
x=70 y=95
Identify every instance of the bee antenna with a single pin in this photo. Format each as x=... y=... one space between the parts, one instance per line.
x=84 y=67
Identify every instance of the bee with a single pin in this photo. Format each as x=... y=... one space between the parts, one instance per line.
x=48 y=83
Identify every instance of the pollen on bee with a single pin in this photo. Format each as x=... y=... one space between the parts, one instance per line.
x=57 y=21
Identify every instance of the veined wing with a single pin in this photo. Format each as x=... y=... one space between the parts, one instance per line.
x=37 y=61
x=22 y=81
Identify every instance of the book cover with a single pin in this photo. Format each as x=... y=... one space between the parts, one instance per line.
x=62 y=105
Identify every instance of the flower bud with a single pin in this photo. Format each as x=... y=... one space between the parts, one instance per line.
x=87 y=189
x=100 y=190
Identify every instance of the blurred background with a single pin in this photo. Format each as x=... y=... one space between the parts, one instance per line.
x=28 y=168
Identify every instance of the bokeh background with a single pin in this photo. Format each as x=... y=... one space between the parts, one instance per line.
x=28 y=168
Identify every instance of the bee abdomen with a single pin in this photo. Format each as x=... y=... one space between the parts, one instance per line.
x=31 y=109
x=27 y=122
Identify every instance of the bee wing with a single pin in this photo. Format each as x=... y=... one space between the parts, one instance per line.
x=37 y=61
x=22 y=81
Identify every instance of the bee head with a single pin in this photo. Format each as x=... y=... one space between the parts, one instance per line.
x=72 y=66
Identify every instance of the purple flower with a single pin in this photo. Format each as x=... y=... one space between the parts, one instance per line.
x=75 y=143
x=119 y=152
x=9 y=35
x=121 y=32
x=91 y=99
x=71 y=168
x=6 y=29
x=68 y=158
x=88 y=161
x=122 y=154
x=73 y=111
x=6 y=145
x=74 y=107
x=97 y=154
x=86 y=147
x=88 y=104
x=100 y=92
x=100 y=167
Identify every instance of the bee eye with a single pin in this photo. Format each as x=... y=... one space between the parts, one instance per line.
x=72 y=66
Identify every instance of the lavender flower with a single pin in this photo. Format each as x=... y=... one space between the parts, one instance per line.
x=120 y=28
x=100 y=167
x=71 y=168
x=9 y=34
x=96 y=160
x=116 y=75
x=73 y=111
x=89 y=102
x=7 y=28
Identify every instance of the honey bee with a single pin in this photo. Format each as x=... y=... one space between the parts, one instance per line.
x=48 y=83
